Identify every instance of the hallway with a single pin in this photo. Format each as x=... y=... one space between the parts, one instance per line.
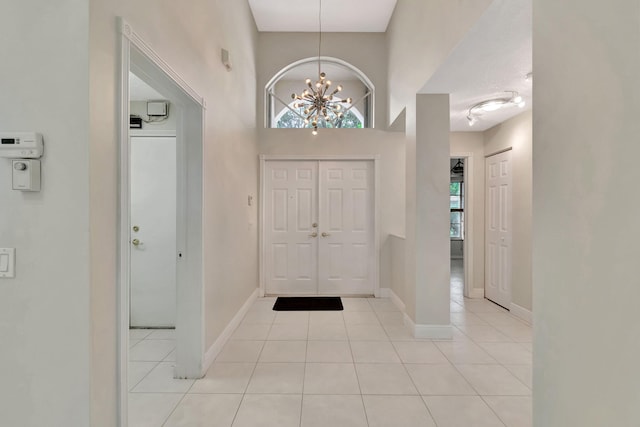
x=354 y=368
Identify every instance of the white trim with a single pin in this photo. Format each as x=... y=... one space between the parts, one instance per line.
x=222 y=339
x=384 y=293
x=375 y=158
x=152 y=132
x=123 y=247
x=436 y=332
x=319 y=157
x=493 y=153
x=469 y=236
x=521 y=313
x=127 y=31
x=397 y=301
x=476 y=293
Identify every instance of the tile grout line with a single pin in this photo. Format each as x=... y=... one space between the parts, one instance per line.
x=304 y=373
x=244 y=393
x=353 y=359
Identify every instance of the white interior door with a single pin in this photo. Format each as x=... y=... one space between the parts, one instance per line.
x=346 y=259
x=153 y=233
x=318 y=228
x=290 y=227
x=498 y=229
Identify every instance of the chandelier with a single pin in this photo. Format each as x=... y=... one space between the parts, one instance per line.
x=318 y=102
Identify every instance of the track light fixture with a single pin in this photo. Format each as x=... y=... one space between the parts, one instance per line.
x=493 y=104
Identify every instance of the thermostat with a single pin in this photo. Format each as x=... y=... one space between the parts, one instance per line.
x=21 y=145
x=26 y=174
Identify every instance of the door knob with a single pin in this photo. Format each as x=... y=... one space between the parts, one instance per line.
x=326 y=234
x=313 y=235
x=136 y=228
x=314 y=225
x=135 y=242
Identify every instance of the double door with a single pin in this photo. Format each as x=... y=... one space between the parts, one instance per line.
x=318 y=228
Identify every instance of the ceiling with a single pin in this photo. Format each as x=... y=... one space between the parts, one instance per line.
x=360 y=16
x=140 y=91
x=494 y=57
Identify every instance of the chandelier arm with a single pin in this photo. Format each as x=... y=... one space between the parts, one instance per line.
x=287 y=105
x=353 y=104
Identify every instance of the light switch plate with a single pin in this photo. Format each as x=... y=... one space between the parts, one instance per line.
x=7 y=263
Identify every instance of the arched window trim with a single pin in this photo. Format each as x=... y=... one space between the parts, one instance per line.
x=270 y=97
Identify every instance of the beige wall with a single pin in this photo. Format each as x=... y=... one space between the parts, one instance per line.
x=365 y=51
x=189 y=39
x=473 y=143
x=516 y=133
x=585 y=209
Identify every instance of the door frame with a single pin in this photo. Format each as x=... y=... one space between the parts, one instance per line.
x=137 y=55
x=375 y=158
x=469 y=232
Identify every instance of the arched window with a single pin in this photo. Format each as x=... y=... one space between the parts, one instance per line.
x=281 y=113
x=293 y=118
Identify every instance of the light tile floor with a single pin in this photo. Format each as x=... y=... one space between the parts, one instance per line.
x=359 y=367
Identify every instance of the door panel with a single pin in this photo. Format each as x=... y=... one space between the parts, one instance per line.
x=153 y=212
x=498 y=229
x=346 y=253
x=290 y=213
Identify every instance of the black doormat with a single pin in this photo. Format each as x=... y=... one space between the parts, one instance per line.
x=308 y=304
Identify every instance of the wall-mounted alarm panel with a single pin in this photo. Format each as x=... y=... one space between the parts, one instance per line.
x=21 y=145
x=156 y=108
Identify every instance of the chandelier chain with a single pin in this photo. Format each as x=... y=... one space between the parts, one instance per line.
x=317 y=103
x=319 y=35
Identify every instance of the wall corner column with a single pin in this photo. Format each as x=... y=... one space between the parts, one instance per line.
x=427 y=265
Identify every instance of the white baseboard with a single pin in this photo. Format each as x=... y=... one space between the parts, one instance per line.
x=442 y=332
x=397 y=301
x=521 y=313
x=214 y=350
x=476 y=293
x=383 y=293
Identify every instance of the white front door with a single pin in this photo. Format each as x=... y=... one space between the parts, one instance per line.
x=290 y=227
x=318 y=228
x=153 y=232
x=346 y=245
x=498 y=229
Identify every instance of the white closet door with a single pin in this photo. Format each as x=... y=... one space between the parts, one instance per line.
x=499 y=229
x=153 y=233
x=346 y=223
x=290 y=215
